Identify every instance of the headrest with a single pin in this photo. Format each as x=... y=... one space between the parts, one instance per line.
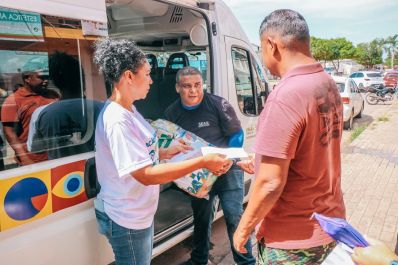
x=152 y=61
x=177 y=61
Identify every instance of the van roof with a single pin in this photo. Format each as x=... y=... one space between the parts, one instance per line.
x=93 y=10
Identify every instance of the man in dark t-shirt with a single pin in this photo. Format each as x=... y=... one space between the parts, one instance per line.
x=213 y=119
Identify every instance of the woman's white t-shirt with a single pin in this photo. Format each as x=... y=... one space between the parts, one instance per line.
x=125 y=142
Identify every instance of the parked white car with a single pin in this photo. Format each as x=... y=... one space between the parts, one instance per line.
x=353 y=102
x=366 y=79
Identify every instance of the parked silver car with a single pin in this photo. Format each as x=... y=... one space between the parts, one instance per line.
x=353 y=102
x=366 y=79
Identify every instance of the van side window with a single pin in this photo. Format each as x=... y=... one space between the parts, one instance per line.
x=48 y=106
x=243 y=81
x=261 y=87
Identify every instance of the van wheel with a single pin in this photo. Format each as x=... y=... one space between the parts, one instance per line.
x=348 y=124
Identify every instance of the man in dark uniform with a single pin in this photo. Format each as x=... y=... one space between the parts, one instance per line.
x=213 y=119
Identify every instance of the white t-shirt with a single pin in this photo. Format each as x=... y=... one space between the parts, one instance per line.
x=125 y=142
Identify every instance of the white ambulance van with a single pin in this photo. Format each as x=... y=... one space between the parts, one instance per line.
x=46 y=205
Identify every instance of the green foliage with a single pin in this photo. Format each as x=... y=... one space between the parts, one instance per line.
x=332 y=50
x=390 y=45
x=370 y=53
x=387 y=61
x=367 y=54
x=320 y=49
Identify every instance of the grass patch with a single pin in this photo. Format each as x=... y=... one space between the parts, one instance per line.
x=356 y=132
x=383 y=118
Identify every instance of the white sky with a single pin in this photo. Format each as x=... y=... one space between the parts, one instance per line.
x=357 y=20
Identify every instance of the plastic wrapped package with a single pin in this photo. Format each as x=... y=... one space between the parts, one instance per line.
x=199 y=182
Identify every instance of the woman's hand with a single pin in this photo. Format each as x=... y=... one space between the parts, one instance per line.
x=175 y=148
x=217 y=164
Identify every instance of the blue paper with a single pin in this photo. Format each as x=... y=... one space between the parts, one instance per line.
x=341 y=231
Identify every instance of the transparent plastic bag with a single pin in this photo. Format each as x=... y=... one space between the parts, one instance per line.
x=199 y=182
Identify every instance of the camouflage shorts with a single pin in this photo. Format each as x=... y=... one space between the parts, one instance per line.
x=273 y=256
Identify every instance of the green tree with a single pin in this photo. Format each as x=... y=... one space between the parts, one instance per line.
x=369 y=54
x=333 y=50
x=387 y=61
x=320 y=49
x=341 y=49
x=391 y=47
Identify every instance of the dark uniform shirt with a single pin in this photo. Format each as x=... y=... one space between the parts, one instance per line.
x=214 y=120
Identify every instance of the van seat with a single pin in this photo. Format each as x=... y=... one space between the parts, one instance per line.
x=167 y=88
x=147 y=107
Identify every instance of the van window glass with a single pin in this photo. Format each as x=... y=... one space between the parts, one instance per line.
x=48 y=105
x=359 y=75
x=243 y=81
x=261 y=87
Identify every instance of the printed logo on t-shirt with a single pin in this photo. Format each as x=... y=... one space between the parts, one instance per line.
x=330 y=114
x=152 y=146
x=202 y=124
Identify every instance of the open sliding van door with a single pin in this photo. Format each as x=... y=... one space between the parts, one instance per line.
x=247 y=86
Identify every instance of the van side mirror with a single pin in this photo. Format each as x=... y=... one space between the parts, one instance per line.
x=91 y=185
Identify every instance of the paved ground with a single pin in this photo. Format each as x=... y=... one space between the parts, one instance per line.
x=370 y=177
x=369 y=182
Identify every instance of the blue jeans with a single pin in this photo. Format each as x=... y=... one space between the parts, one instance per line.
x=230 y=191
x=131 y=247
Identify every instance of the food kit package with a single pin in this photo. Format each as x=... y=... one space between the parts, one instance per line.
x=199 y=182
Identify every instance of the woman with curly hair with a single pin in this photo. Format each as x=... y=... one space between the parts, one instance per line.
x=127 y=155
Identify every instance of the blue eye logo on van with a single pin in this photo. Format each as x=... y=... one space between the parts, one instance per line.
x=69 y=186
x=25 y=199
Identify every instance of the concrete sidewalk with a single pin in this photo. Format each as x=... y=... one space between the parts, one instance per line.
x=370 y=178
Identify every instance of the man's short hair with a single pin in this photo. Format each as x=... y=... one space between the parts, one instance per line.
x=187 y=70
x=288 y=25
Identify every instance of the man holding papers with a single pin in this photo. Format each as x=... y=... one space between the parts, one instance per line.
x=213 y=119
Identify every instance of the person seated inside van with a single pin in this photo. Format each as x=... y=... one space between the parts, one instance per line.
x=65 y=127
